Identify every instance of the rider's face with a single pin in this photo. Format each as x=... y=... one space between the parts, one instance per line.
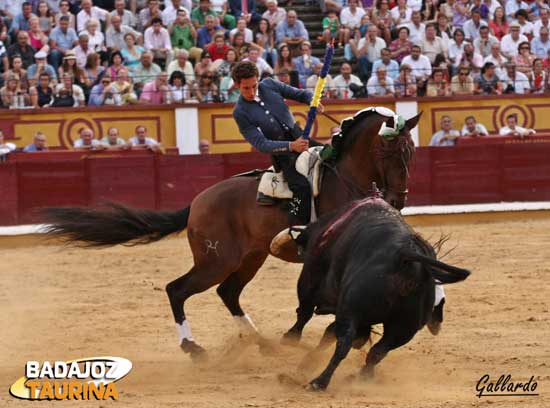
x=248 y=88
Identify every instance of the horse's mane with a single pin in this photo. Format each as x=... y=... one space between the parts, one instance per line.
x=349 y=130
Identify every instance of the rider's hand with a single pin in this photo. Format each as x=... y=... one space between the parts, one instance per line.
x=299 y=145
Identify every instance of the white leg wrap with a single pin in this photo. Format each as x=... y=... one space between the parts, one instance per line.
x=439 y=294
x=246 y=325
x=184 y=331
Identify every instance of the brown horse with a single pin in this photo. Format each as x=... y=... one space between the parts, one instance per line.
x=230 y=234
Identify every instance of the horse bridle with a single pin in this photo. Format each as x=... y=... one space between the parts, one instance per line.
x=405 y=150
x=402 y=146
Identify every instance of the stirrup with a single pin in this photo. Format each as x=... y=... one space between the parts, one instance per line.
x=288 y=234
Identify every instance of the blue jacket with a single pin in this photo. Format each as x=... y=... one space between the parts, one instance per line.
x=259 y=120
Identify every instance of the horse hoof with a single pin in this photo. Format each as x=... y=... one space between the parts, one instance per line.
x=315 y=386
x=197 y=353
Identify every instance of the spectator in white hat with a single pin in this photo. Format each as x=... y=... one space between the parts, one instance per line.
x=510 y=42
x=40 y=65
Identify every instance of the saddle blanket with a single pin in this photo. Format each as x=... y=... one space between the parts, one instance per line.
x=308 y=164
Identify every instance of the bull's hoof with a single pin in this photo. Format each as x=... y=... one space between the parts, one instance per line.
x=315 y=386
x=367 y=374
x=267 y=348
x=197 y=353
x=289 y=380
x=291 y=338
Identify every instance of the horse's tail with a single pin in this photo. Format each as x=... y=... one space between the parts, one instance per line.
x=441 y=271
x=116 y=225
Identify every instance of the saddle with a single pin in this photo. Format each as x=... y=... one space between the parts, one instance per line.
x=273 y=184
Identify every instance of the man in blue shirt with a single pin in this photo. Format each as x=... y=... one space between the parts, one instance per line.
x=291 y=31
x=103 y=94
x=392 y=67
x=62 y=39
x=267 y=124
x=40 y=65
x=540 y=46
x=21 y=20
x=39 y=144
x=205 y=35
x=304 y=63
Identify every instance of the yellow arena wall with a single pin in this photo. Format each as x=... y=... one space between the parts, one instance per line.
x=216 y=124
x=61 y=125
x=532 y=112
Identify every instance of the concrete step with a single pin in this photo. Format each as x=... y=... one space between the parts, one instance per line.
x=298 y=3
x=309 y=19
x=302 y=8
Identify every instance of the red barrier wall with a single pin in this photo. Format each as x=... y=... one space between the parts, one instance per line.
x=457 y=175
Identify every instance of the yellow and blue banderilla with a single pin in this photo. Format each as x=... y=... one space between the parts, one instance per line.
x=321 y=81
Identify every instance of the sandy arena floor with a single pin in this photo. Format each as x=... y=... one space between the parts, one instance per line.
x=58 y=304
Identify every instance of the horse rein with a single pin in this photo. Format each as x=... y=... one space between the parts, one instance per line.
x=331 y=118
x=353 y=190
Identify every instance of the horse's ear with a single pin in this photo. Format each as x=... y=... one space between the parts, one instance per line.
x=412 y=122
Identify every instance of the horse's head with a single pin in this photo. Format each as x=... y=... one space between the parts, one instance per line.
x=394 y=149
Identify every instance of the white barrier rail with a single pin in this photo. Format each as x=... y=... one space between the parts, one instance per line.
x=419 y=210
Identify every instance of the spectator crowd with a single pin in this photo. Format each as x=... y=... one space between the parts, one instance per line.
x=447 y=135
x=62 y=53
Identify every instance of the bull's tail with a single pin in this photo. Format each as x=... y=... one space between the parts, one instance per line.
x=441 y=271
x=115 y=225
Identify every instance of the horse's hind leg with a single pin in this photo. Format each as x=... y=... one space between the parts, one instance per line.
x=231 y=288
x=195 y=281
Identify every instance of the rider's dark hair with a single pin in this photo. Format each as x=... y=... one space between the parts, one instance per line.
x=244 y=70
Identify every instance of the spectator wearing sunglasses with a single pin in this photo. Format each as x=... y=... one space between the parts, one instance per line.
x=103 y=93
x=206 y=89
x=462 y=83
x=524 y=60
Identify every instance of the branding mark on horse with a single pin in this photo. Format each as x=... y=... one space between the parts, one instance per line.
x=211 y=246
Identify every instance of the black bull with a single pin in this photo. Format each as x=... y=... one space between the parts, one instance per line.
x=367 y=266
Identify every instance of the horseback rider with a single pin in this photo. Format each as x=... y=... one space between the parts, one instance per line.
x=267 y=124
